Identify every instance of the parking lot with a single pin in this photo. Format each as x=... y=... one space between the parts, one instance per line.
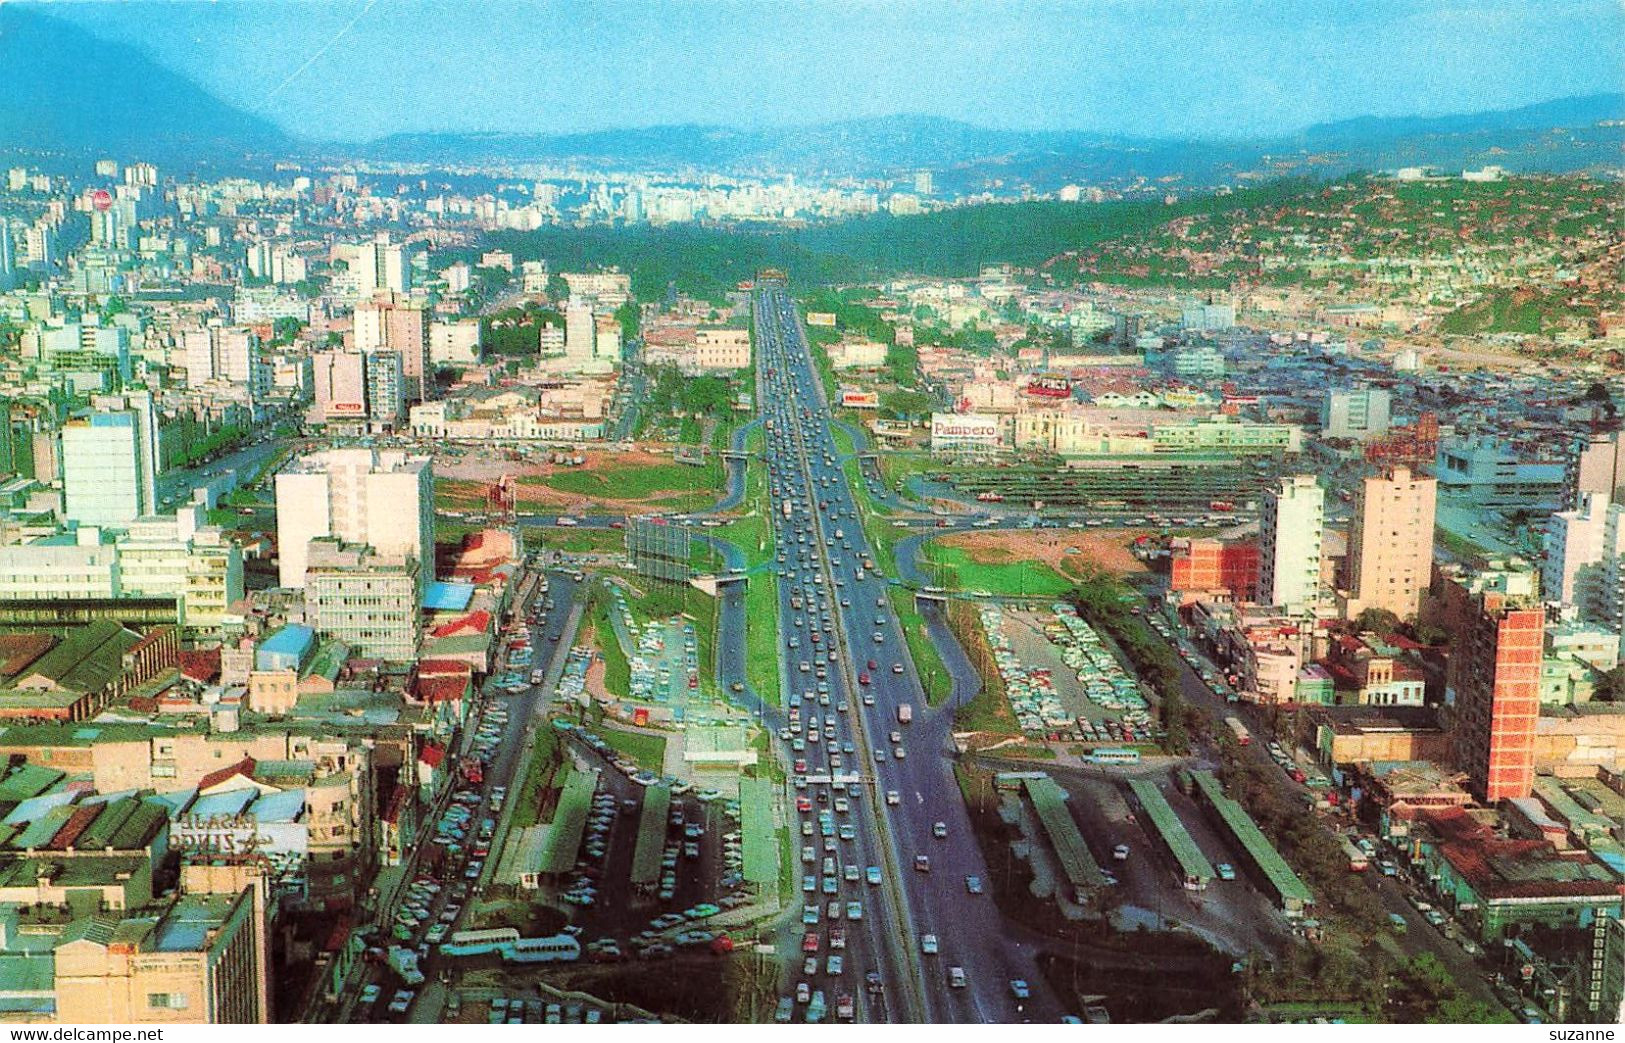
x=700 y=866
x=1063 y=679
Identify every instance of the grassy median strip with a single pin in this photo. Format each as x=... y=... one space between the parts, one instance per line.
x=933 y=675
x=762 y=637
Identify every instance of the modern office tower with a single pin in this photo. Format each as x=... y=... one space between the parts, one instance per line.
x=1358 y=414
x=110 y=461
x=1596 y=465
x=390 y=323
x=1576 y=558
x=340 y=385
x=580 y=332
x=1495 y=669
x=386 y=388
x=1289 y=544
x=392 y=271
x=383 y=499
x=1391 y=542
x=923 y=183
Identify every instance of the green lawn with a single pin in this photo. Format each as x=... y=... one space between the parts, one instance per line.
x=639 y=483
x=576 y=541
x=647 y=748
x=617 y=671
x=762 y=636
x=957 y=571
x=933 y=675
x=883 y=535
x=751 y=533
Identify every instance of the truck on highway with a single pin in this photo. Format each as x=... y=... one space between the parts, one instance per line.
x=905 y=713
x=786 y=508
x=1243 y=736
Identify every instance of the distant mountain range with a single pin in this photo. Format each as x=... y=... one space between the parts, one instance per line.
x=69 y=91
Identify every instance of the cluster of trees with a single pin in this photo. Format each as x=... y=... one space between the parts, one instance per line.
x=708 y=262
x=671 y=392
x=1100 y=600
x=517 y=331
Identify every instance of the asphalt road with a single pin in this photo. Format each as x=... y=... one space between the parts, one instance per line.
x=824 y=548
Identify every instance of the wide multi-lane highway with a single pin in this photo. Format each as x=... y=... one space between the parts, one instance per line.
x=886 y=789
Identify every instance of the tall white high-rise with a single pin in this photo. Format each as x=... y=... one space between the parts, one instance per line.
x=381 y=498
x=110 y=461
x=1289 y=544
x=580 y=331
x=1573 y=570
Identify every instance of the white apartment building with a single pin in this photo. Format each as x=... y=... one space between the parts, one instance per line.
x=1289 y=544
x=383 y=499
x=455 y=343
x=1358 y=414
x=1574 y=567
x=166 y=556
x=110 y=461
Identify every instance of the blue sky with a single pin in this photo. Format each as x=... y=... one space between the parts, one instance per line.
x=356 y=69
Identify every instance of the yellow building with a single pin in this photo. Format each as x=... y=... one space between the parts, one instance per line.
x=199 y=960
x=1391 y=543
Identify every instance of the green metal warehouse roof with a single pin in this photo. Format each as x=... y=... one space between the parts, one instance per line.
x=1049 y=800
x=651 y=835
x=1191 y=861
x=1287 y=886
x=761 y=843
x=569 y=823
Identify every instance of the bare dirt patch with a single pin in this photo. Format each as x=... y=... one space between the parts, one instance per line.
x=1107 y=550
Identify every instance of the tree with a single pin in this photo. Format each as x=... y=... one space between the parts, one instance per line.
x=1377 y=621
x=558 y=289
x=630 y=316
x=1611 y=687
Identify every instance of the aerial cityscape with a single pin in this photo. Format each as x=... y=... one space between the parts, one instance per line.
x=565 y=514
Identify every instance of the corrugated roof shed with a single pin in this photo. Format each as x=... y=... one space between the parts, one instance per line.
x=87 y=660
x=139 y=829
x=1288 y=887
x=100 y=833
x=569 y=822
x=1192 y=863
x=651 y=835
x=1049 y=801
x=29 y=780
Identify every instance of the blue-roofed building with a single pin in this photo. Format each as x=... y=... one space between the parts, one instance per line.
x=287 y=649
x=448 y=597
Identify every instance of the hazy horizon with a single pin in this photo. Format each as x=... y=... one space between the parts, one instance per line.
x=363 y=69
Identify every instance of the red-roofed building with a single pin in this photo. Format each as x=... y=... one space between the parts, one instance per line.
x=442 y=681
x=19 y=650
x=1504 y=886
x=245 y=766
x=201 y=665
x=476 y=622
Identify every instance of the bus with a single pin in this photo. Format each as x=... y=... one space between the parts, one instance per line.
x=478 y=943
x=1114 y=755
x=557 y=948
x=1358 y=862
x=1243 y=736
